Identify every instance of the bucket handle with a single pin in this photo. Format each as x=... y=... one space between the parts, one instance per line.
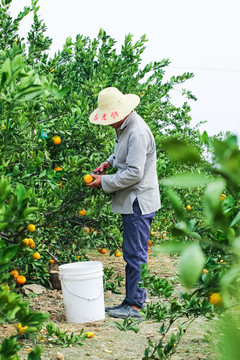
x=81 y=297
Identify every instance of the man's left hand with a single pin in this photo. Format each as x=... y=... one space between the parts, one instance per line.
x=96 y=183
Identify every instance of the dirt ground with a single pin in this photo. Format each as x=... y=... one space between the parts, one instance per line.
x=109 y=342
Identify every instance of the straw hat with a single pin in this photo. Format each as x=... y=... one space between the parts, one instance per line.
x=113 y=106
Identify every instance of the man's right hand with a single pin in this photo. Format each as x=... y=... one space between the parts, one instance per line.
x=101 y=169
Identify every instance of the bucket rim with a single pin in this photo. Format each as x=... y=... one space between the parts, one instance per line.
x=81 y=266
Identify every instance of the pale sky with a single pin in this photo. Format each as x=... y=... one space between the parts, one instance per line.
x=197 y=36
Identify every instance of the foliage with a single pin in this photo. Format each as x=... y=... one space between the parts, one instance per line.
x=170 y=310
x=12 y=308
x=219 y=239
x=56 y=336
x=112 y=283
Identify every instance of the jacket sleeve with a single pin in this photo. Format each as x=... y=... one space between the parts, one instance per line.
x=110 y=159
x=135 y=165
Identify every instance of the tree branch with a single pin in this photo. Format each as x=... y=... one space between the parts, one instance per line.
x=51 y=118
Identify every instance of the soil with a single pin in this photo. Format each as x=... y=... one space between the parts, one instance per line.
x=109 y=342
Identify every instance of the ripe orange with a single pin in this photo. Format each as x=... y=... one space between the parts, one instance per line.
x=88 y=179
x=25 y=242
x=222 y=197
x=36 y=256
x=150 y=242
x=205 y=271
x=21 y=280
x=89 y=334
x=215 y=299
x=58 y=168
x=51 y=261
x=103 y=251
x=31 y=243
x=188 y=207
x=31 y=227
x=3 y=126
x=82 y=212
x=14 y=273
x=118 y=253
x=56 y=140
x=21 y=329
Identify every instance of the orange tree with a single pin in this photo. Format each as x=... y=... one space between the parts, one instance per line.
x=209 y=264
x=48 y=144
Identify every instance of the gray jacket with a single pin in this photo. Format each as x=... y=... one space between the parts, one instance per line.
x=136 y=177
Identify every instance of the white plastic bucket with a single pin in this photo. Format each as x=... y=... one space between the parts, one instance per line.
x=83 y=294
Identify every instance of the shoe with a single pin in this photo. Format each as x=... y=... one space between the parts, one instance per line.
x=114 y=307
x=125 y=311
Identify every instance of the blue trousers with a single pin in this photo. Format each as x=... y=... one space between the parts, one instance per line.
x=136 y=231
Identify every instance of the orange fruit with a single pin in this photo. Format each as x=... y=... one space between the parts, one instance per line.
x=86 y=229
x=36 y=256
x=82 y=212
x=21 y=280
x=21 y=329
x=51 y=261
x=3 y=126
x=31 y=227
x=58 y=168
x=103 y=251
x=215 y=299
x=117 y=253
x=150 y=242
x=60 y=184
x=88 y=179
x=14 y=273
x=89 y=334
x=205 y=271
x=31 y=243
x=222 y=197
x=25 y=242
x=56 y=140
x=188 y=207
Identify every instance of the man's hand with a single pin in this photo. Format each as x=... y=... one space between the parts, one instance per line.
x=101 y=169
x=96 y=183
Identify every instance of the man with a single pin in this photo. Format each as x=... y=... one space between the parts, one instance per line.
x=134 y=187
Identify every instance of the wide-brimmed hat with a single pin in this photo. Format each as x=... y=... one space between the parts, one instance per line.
x=113 y=106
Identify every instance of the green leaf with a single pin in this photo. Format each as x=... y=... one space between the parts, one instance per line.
x=180 y=150
x=5 y=72
x=191 y=265
x=211 y=198
x=235 y=220
x=171 y=248
x=187 y=180
x=175 y=201
x=35 y=354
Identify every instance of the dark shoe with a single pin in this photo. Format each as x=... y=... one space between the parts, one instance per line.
x=125 y=311
x=114 y=307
